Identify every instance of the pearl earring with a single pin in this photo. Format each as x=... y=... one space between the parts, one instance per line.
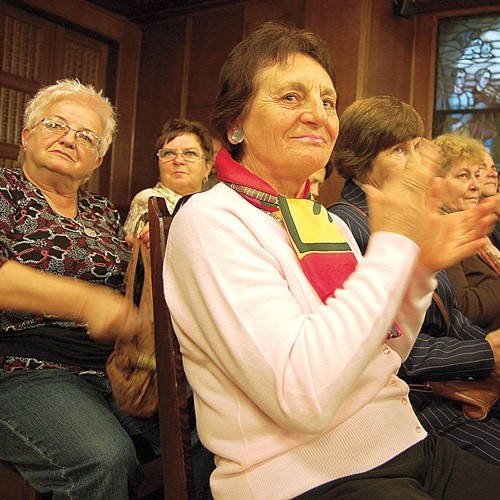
x=238 y=135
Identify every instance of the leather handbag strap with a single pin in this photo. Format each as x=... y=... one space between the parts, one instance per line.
x=130 y=274
x=437 y=299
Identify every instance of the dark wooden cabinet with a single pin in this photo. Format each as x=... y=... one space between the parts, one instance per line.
x=36 y=52
x=42 y=41
x=24 y=47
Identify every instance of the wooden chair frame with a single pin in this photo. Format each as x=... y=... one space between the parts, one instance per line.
x=175 y=405
x=14 y=487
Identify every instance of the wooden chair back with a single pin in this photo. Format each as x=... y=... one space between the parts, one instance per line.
x=175 y=404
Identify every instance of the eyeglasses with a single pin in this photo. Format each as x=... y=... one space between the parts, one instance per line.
x=189 y=155
x=82 y=137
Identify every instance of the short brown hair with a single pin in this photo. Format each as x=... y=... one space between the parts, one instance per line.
x=271 y=43
x=369 y=126
x=456 y=146
x=178 y=126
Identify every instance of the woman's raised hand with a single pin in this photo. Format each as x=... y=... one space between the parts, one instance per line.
x=493 y=338
x=451 y=238
x=401 y=205
x=409 y=205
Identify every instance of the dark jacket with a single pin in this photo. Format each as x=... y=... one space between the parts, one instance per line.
x=476 y=287
x=438 y=354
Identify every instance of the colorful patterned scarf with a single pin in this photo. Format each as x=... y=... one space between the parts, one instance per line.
x=324 y=254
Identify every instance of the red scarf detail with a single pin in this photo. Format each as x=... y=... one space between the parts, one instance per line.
x=323 y=253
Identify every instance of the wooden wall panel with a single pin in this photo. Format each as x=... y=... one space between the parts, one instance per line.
x=180 y=64
x=159 y=94
x=121 y=86
x=259 y=12
x=389 y=53
x=339 y=24
x=213 y=36
x=85 y=58
x=423 y=68
x=25 y=63
x=80 y=57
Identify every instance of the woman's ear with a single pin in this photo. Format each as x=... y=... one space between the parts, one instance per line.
x=98 y=162
x=208 y=168
x=25 y=135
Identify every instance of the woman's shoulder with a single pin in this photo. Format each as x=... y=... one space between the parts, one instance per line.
x=477 y=268
x=219 y=198
x=218 y=208
x=11 y=177
x=95 y=198
x=97 y=203
x=13 y=185
x=145 y=194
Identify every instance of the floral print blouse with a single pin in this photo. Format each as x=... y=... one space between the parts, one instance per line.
x=90 y=247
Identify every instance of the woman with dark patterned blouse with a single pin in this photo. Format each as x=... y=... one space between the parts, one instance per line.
x=58 y=245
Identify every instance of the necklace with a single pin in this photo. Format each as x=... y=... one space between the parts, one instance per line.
x=77 y=220
x=88 y=231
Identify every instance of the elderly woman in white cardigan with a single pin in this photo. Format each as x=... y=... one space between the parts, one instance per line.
x=292 y=341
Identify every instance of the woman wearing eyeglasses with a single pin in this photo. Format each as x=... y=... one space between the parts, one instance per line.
x=59 y=245
x=183 y=158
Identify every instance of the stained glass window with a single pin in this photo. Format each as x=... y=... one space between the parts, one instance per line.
x=467 y=95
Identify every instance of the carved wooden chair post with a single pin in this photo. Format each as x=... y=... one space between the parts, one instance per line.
x=175 y=409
